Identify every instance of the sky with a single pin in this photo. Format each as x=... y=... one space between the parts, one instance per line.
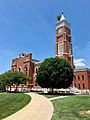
x=29 y=26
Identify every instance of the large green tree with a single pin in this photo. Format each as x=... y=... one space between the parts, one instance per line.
x=55 y=73
x=9 y=78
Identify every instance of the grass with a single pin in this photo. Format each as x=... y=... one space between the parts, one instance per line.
x=69 y=108
x=11 y=103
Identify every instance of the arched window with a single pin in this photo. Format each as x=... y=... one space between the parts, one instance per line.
x=26 y=69
x=78 y=86
x=82 y=77
x=19 y=69
x=78 y=77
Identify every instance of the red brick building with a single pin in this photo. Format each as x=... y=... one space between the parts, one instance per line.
x=27 y=65
x=82 y=79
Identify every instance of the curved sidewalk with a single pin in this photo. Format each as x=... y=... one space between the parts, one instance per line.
x=40 y=108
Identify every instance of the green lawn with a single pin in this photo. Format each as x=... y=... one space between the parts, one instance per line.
x=12 y=102
x=71 y=107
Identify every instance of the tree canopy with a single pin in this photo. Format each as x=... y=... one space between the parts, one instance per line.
x=55 y=73
x=9 y=78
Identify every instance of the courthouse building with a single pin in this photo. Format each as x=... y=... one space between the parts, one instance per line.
x=24 y=63
x=29 y=66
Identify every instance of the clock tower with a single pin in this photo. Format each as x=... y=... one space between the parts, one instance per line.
x=63 y=39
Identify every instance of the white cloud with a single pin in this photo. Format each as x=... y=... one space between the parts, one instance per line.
x=79 y=62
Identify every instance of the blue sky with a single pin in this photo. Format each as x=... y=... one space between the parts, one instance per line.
x=29 y=26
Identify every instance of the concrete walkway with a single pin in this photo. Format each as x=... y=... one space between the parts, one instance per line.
x=40 y=108
x=54 y=98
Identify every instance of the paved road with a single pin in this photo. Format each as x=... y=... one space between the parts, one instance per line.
x=40 y=108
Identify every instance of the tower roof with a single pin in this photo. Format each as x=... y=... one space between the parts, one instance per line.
x=62 y=17
x=62 y=21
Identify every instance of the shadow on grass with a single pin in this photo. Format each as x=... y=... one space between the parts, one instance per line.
x=58 y=94
x=52 y=95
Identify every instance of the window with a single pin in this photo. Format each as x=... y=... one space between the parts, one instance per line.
x=83 y=86
x=60 y=30
x=78 y=86
x=36 y=70
x=68 y=48
x=26 y=72
x=60 y=48
x=26 y=69
x=78 y=77
x=19 y=69
x=82 y=77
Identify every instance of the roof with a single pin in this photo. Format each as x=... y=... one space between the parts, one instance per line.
x=82 y=69
x=62 y=21
x=34 y=60
x=62 y=17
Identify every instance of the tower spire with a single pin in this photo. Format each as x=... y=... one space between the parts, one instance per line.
x=62 y=16
x=62 y=12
